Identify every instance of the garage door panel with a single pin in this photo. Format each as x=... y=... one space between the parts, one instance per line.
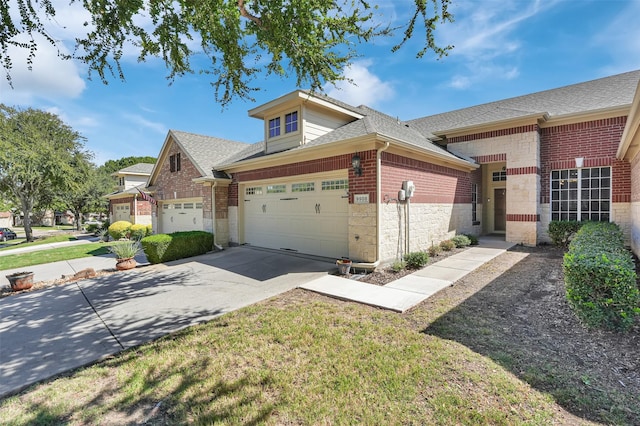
x=176 y=218
x=308 y=221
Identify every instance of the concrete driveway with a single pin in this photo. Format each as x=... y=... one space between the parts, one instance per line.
x=50 y=331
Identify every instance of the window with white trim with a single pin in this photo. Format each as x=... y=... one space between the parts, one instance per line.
x=330 y=185
x=291 y=122
x=274 y=127
x=303 y=187
x=474 y=203
x=253 y=190
x=581 y=194
x=276 y=189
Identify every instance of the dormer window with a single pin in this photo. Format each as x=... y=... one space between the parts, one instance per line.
x=274 y=127
x=291 y=122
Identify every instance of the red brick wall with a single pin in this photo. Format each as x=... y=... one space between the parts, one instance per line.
x=339 y=162
x=222 y=205
x=180 y=182
x=597 y=141
x=434 y=184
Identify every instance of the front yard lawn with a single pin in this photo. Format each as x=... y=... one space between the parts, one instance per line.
x=21 y=260
x=484 y=351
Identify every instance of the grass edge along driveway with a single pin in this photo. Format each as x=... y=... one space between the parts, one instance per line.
x=38 y=257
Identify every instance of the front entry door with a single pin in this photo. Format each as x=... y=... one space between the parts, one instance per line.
x=500 y=209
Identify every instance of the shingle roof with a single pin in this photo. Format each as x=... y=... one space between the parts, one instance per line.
x=207 y=151
x=382 y=124
x=594 y=95
x=140 y=168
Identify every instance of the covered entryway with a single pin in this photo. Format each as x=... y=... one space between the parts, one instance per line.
x=177 y=215
x=121 y=211
x=303 y=215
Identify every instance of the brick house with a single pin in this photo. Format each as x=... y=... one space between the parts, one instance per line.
x=128 y=202
x=336 y=180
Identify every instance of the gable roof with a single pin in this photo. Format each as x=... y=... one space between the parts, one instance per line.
x=603 y=94
x=137 y=169
x=204 y=152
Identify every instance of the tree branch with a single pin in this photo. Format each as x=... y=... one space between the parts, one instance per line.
x=246 y=14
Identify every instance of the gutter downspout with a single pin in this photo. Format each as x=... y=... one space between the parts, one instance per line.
x=135 y=207
x=216 y=246
x=375 y=264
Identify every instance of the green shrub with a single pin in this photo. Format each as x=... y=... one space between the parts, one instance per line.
x=137 y=231
x=600 y=279
x=166 y=247
x=119 y=229
x=416 y=259
x=472 y=238
x=398 y=266
x=562 y=231
x=149 y=230
x=461 y=241
x=434 y=250
x=447 y=245
x=92 y=228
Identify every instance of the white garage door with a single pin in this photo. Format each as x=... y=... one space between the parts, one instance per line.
x=121 y=212
x=307 y=216
x=181 y=216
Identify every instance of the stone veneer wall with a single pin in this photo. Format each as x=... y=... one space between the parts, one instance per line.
x=519 y=148
x=429 y=224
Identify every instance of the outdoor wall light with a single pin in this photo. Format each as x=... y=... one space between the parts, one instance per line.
x=355 y=162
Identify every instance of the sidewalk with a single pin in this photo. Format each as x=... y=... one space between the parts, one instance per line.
x=410 y=290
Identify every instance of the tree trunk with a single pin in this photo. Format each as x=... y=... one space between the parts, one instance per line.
x=26 y=210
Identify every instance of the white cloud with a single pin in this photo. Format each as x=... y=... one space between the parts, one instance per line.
x=140 y=121
x=365 y=87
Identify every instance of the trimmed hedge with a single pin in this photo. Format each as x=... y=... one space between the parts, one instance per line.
x=600 y=278
x=561 y=231
x=161 y=248
x=119 y=229
x=137 y=231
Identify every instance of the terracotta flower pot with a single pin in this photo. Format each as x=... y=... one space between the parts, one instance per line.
x=20 y=280
x=125 y=264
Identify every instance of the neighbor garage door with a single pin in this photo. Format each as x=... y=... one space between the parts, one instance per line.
x=181 y=216
x=121 y=212
x=306 y=216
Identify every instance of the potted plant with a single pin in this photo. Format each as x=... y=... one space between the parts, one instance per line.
x=125 y=253
x=344 y=266
x=20 y=280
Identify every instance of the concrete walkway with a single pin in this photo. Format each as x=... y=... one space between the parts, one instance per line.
x=410 y=290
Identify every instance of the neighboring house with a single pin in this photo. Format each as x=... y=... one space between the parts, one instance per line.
x=130 y=201
x=6 y=219
x=506 y=167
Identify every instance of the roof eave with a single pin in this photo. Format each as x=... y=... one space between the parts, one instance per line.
x=261 y=110
x=627 y=149
x=479 y=128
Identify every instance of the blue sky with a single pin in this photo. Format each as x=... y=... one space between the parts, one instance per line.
x=502 y=49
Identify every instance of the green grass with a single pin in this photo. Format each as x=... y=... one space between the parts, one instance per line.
x=22 y=260
x=20 y=242
x=289 y=363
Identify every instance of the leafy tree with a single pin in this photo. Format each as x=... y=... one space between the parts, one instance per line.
x=112 y=166
x=86 y=195
x=37 y=154
x=311 y=39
